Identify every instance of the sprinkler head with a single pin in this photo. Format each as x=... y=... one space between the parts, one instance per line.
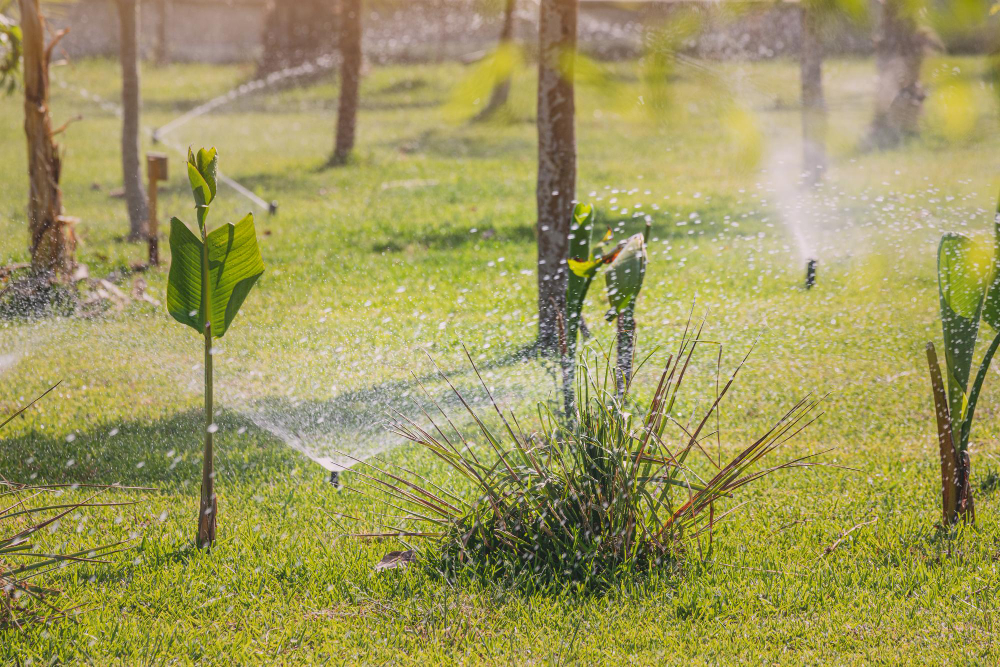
x=810 y=273
x=156 y=136
x=335 y=478
x=272 y=208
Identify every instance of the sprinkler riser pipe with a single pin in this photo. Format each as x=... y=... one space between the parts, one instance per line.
x=810 y=273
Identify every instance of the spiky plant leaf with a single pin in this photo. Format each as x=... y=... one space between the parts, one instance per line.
x=571 y=503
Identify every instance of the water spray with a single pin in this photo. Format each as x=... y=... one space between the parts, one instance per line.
x=157 y=136
x=810 y=273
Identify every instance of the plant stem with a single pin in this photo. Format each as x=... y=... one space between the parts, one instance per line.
x=946 y=442
x=569 y=380
x=208 y=509
x=965 y=505
x=626 y=338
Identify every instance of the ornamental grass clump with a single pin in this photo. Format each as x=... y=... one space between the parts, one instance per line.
x=574 y=503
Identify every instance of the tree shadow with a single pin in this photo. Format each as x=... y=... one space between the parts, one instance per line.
x=455 y=237
x=407 y=85
x=165 y=453
x=255 y=442
x=354 y=423
x=449 y=144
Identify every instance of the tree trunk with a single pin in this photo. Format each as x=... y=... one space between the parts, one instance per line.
x=813 y=104
x=161 y=51
x=899 y=54
x=501 y=89
x=556 y=188
x=52 y=241
x=350 y=79
x=135 y=196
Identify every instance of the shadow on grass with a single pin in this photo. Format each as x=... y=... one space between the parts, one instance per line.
x=477 y=145
x=407 y=85
x=250 y=445
x=165 y=453
x=456 y=237
x=354 y=422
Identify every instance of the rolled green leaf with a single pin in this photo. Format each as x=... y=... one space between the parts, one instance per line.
x=202 y=173
x=624 y=275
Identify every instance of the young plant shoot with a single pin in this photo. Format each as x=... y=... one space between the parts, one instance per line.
x=583 y=266
x=211 y=274
x=624 y=280
x=969 y=290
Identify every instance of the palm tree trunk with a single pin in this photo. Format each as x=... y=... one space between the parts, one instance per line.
x=135 y=196
x=52 y=240
x=813 y=103
x=556 y=187
x=899 y=54
x=161 y=51
x=501 y=90
x=350 y=79
x=295 y=32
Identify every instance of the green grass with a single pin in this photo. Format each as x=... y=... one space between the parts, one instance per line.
x=368 y=264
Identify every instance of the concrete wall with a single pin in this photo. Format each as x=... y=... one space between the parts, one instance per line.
x=422 y=30
x=204 y=31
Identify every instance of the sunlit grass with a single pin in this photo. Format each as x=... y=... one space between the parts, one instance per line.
x=431 y=207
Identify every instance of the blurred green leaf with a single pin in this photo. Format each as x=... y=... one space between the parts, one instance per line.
x=582 y=269
x=965 y=268
x=624 y=275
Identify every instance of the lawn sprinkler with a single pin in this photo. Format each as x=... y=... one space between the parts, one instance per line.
x=272 y=208
x=810 y=273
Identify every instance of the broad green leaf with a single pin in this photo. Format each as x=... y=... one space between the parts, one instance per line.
x=964 y=271
x=234 y=264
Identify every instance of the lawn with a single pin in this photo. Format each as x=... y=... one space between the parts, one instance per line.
x=425 y=244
